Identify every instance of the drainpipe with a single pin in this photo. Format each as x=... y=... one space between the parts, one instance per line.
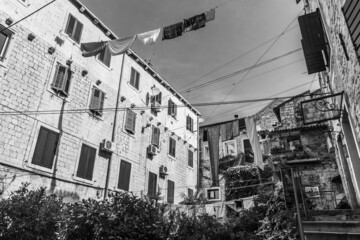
x=114 y=129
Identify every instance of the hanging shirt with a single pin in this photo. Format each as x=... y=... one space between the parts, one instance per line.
x=150 y=37
x=173 y=31
x=210 y=15
x=194 y=23
x=119 y=46
x=92 y=48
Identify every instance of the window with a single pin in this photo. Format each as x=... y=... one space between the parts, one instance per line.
x=105 y=57
x=97 y=101
x=152 y=185
x=74 y=28
x=189 y=123
x=124 y=175
x=351 y=12
x=45 y=148
x=230 y=148
x=172 y=108
x=172 y=147
x=206 y=152
x=62 y=79
x=213 y=193
x=5 y=37
x=135 y=78
x=130 y=121
x=86 y=162
x=155 y=139
x=170 y=191
x=156 y=103
x=190 y=158
x=190 y=192
x=249 y=154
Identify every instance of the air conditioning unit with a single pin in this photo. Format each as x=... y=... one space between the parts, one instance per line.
x=157 y=106
x=108 y=145
x=163 y=170
x=152 y=150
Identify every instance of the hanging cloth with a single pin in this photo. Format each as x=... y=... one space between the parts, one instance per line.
x=92 y=48
x=254 y=141
x=267 y=147
x=210 y=15
x=223 y=132
x=213 y=140
x=229 y=131
x=119 y=46
x=173 y=31
x=194 y=23
x=236 y=131
x=150 y=37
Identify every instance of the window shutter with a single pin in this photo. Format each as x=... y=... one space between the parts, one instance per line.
x=86 y=162
x=147 y=99
x=190 y=158
x=130 y=121
x=102 y=100
x=351 y=11
x=155 y=136
x=68 y=81
x=152 y=185
x=313 y=41
x=172 y=147
x=90 y=163
x=78 y=31
x=81 y=172
x=132 y=77
x=59 y=78
x=169 y=107
x=187 y=123
x=137 y=82
x=45 y=148
x=124 y=175
x=159 y=97
x=70 y=26
x=190 y=192
x=95 y=100
x=171 y=191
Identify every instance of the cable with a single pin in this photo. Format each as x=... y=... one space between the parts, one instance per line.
x=27 y=16
x=267 y=50
x=239 y=72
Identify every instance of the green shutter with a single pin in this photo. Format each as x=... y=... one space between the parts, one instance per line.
x=152 y=184
x=170 y=191
x=70 y=25
x=124 y=175
x=190 y=158
x=45 y=149
x=86 y=162
x=155 y=139
x=130 y=121
x=78 y=31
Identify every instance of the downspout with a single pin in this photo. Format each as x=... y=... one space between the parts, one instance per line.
x=114 y=129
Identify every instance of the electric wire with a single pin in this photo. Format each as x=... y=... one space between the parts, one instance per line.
x=22 y=19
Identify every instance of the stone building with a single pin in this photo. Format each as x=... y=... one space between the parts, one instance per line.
x=84 y=126
x=334 y=56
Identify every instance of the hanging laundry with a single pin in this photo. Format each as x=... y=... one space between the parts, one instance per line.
x=150 y=37
x=210 y=15
x=236 y=131
x=194 y=23
x=119 y=46
x=173 y=31
x=213 y=139
x=254 y=141
x=223 y=132
x=229 y=131
x=92 y=48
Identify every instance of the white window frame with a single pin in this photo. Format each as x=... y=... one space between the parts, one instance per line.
x=78 y=155
x=225 y=153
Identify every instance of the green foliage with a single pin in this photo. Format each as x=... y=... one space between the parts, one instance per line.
x=29 y=214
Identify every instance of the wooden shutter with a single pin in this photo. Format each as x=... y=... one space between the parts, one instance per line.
x=155 y=140
x=158 y=97
x=152 y=185
x=130 y=121
x=134 y=78
x=124 y=175
x=68 y=81
x=78 y=31
x=190 y=158
x=45 y=148
x=86 y=162
x=137 y=79
x=59 y=78
x=102 y=100
x=170 y=191
x=169 y=107
x=95 y=99
x=351 y=11
x=313 y=41
x=70 y=25
x=147 y=99
x=187 y=123
x=172 y=147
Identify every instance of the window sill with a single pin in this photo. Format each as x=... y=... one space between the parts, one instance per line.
x=95 y=116
x=82 y=180
x=191 y=168
x=172 y=157
x=71 y=40
x=128 y=133
x=53 y=93
x=25 y=3
x=133 y=88
x=40 y=168
x=173 y=118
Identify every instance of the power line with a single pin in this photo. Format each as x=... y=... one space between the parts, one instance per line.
x=248 y=71
x=22 y=19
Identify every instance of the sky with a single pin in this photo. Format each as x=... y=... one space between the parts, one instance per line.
x=244 y=32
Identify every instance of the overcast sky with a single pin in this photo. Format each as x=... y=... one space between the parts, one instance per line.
x=240 y=27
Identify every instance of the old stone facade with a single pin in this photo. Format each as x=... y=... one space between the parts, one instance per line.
x=52 y=135
x=342 y=75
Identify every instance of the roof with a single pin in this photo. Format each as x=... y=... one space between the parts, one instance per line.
x=313 y=127
x=84 y=10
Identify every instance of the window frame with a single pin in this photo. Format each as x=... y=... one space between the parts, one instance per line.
x=34 y=147
x=170 y=199
x=172 y=108
x=119 y=176
x=128 y=130
x=213 y=189
x=189 y=123
x=81 y=178
x=68 y=81
x=71 y=36
x=155 y=185
x=157 y=144
x=357 y=51
x=225 y=153
x=192 y=158
x=5 y=48
x=134 y=79
x=170 y=153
